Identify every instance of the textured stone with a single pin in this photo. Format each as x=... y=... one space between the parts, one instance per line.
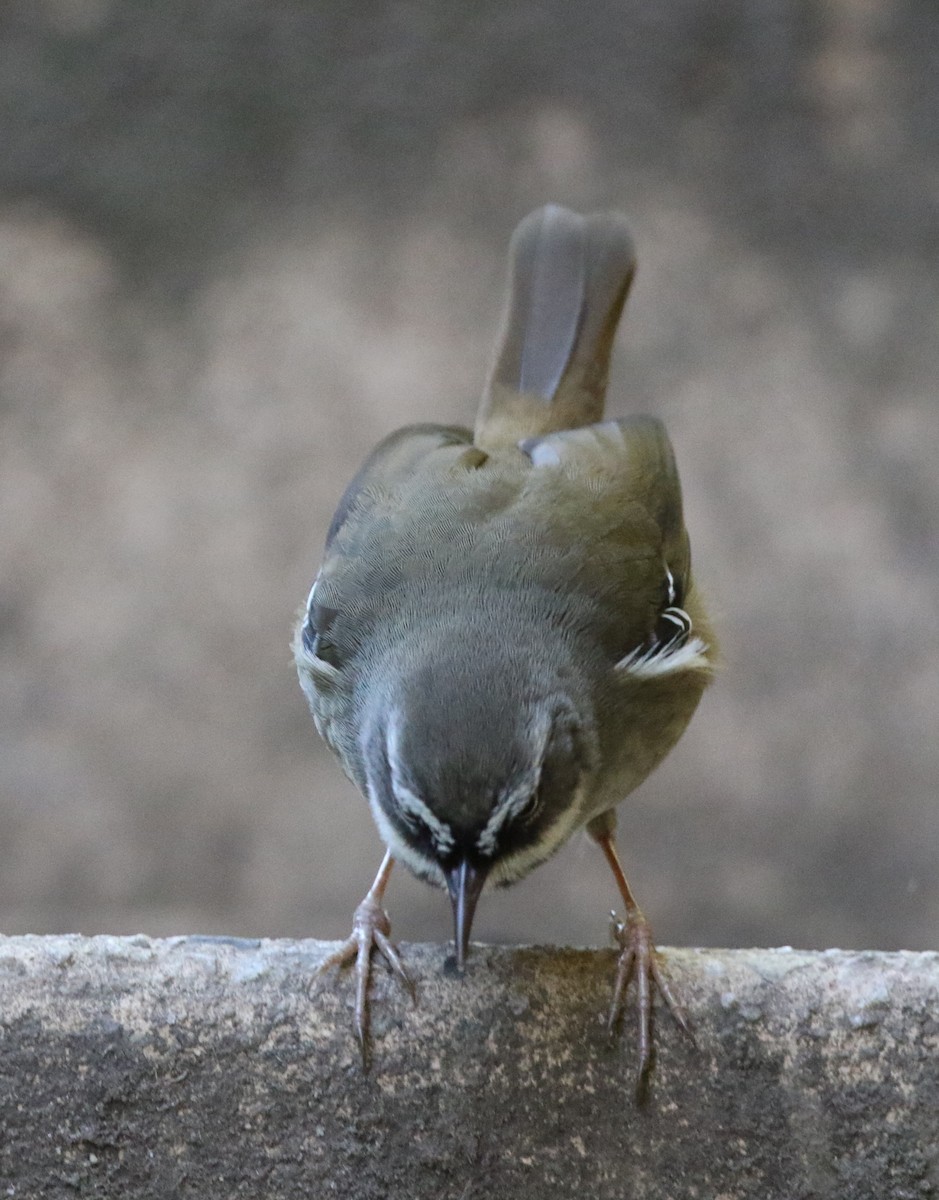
x=217 y=1068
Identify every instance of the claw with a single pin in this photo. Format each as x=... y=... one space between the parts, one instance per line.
x=370 y=930
x=638 y=958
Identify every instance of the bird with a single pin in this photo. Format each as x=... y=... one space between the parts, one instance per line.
x=504 y=637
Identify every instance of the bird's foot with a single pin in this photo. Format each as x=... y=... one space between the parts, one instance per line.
x=639 y=960
x=370 y=930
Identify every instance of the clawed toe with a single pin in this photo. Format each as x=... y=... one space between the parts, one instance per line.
x=370 y=932
x=638 y=959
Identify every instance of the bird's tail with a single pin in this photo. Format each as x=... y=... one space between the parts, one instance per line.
x=568 y=280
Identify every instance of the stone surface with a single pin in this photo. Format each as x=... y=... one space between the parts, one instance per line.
x=215 y=1068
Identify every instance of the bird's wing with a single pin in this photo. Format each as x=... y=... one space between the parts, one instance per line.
x=395 y=512
x=393 y=461
x=608 y=499
x=591 y=516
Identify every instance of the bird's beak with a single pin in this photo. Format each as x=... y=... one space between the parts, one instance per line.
x=464 y=882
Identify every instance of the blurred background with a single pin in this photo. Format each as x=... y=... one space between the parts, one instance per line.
x=240 y=242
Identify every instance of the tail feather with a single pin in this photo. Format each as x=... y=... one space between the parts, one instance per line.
x=552 y=265
x=568 y=281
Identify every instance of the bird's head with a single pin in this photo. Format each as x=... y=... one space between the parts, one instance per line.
x=474 y=781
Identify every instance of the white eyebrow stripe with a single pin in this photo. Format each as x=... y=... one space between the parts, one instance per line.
x=408 y=799
x=642 y=664
x=441 y=833
x=423 y=867
x=507 y=808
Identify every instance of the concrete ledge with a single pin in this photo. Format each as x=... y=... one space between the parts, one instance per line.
x=201 y=1067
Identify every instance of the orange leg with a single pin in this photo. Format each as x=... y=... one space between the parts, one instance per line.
x=638 y=958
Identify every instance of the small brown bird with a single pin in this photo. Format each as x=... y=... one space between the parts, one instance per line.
x=504 y=637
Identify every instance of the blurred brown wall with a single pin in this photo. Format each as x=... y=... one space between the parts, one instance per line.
x=239 y=242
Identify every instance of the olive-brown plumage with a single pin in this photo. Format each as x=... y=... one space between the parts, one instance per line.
x=504 y=637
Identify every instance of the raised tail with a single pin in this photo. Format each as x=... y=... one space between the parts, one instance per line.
x=568 y=280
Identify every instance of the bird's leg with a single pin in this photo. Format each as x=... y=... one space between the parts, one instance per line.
x=638 y=959
x=370 y=930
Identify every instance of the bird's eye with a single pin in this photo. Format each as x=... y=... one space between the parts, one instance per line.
x=532 y=807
